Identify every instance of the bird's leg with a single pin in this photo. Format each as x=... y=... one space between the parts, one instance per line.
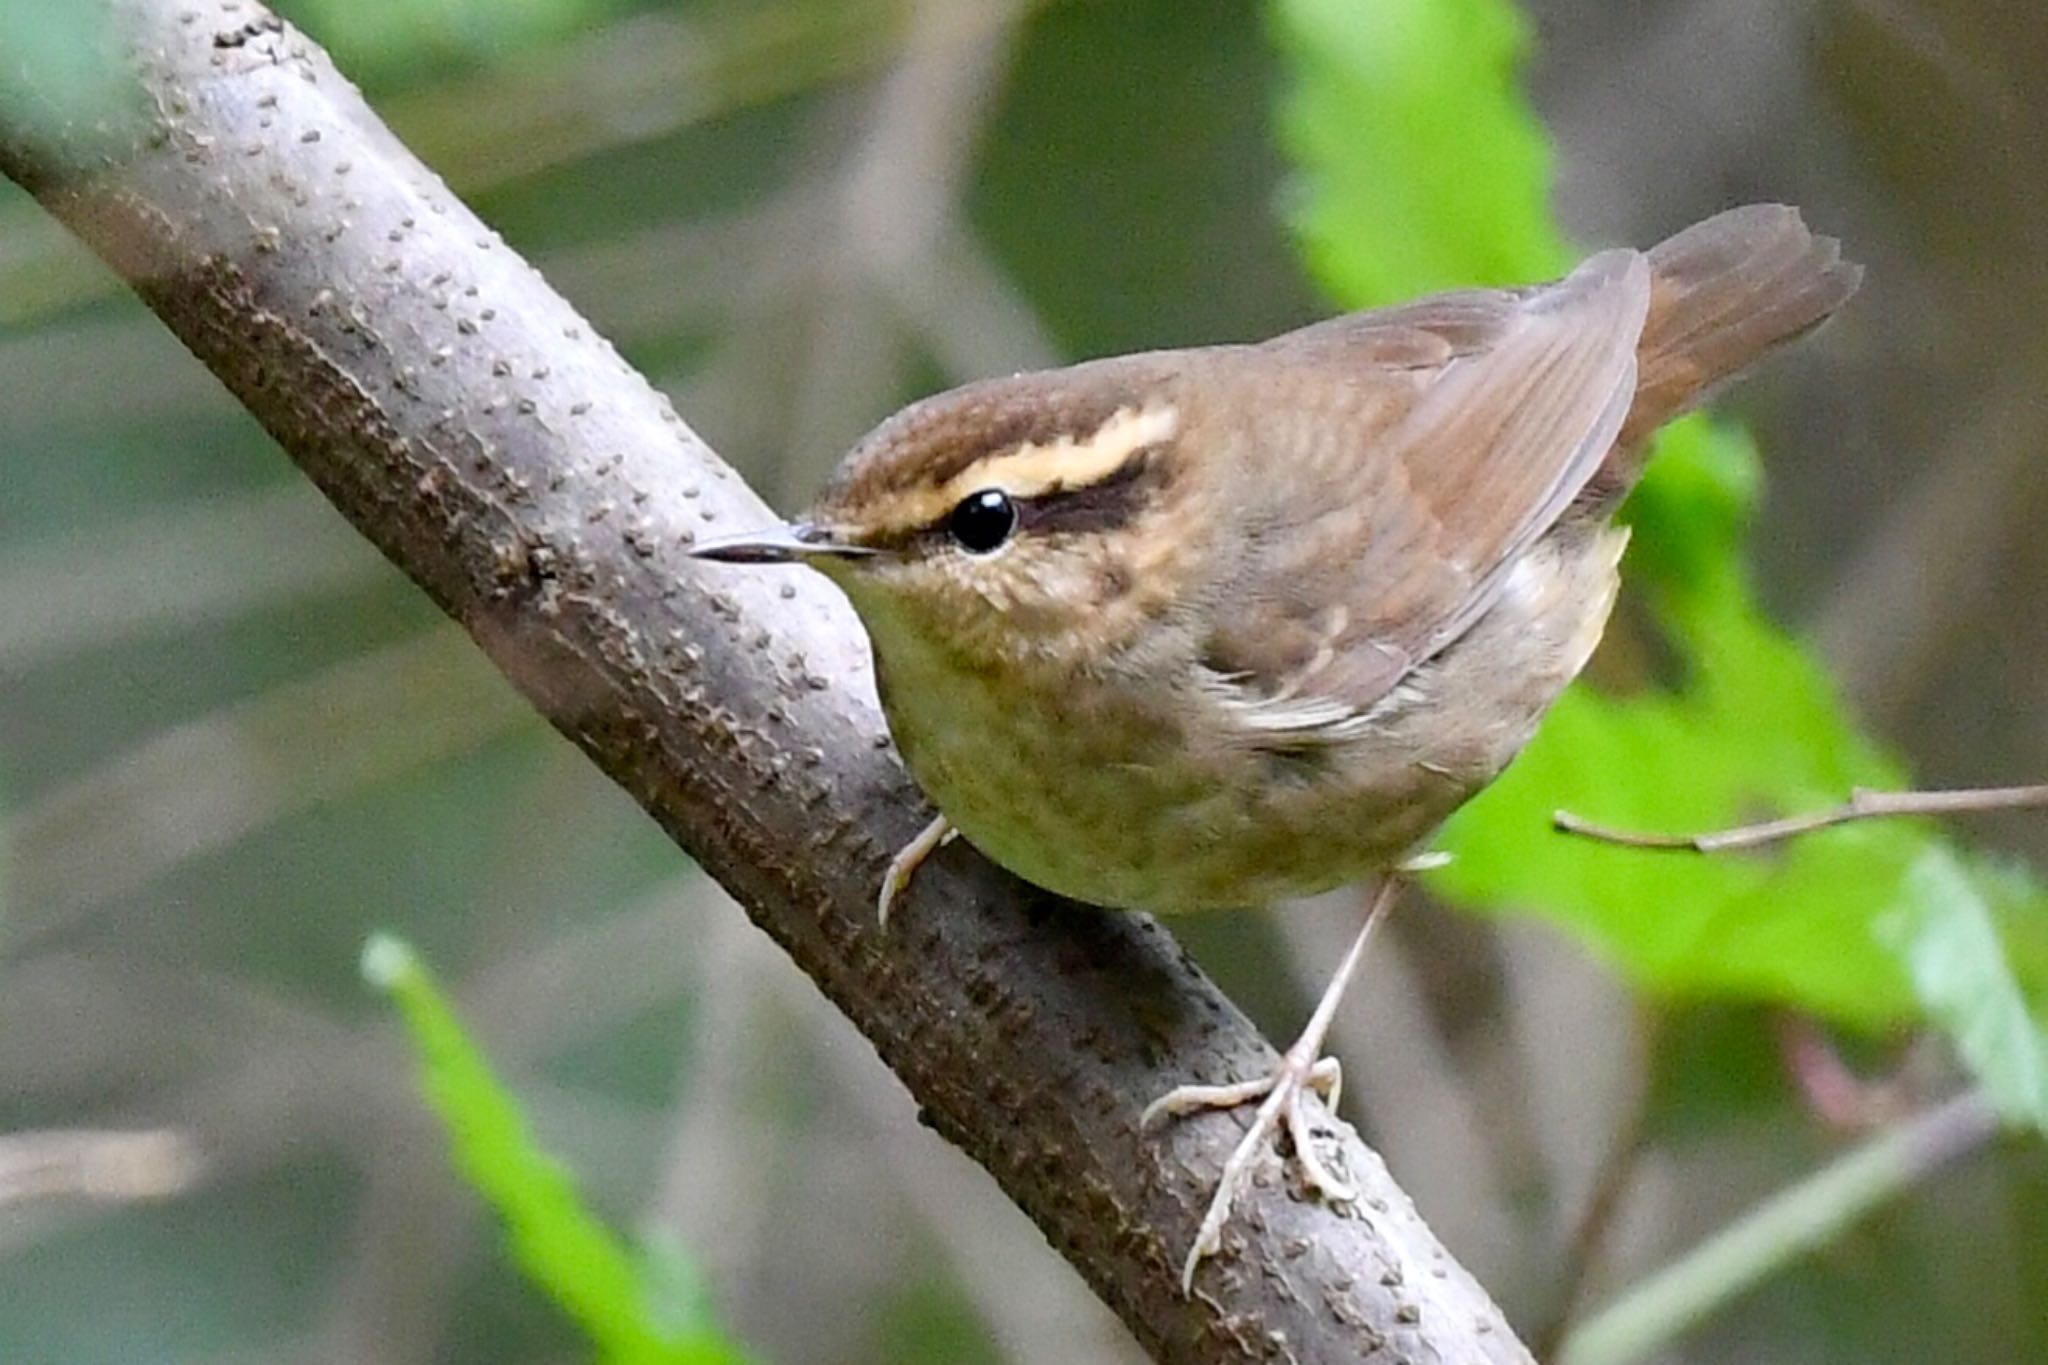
x=1301 y=1069
x=908 y=859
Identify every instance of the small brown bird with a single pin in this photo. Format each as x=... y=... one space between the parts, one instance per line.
x=1220 y=627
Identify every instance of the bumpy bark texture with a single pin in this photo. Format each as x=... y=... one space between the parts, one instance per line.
x=468 y=422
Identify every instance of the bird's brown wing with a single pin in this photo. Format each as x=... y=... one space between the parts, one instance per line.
x=1432 y=443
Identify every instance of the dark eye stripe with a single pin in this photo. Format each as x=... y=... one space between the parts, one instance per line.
x=1101 y=506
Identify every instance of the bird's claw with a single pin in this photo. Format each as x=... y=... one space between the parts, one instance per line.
x=1281 y=1094
x=908 y=859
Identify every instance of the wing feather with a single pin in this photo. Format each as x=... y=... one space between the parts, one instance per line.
x=1449 y=434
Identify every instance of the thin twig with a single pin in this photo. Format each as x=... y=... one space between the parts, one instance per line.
x=1863 y=804
x=1612 y=1181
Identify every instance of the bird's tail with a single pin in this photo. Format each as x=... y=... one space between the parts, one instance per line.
x=1724 y=293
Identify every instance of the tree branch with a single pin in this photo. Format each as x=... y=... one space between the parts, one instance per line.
x=469 y=423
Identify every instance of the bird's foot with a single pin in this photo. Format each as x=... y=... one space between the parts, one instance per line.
x=1423 y=862
x=1283 y=1092
x=908 y=859
x=1302 y=1068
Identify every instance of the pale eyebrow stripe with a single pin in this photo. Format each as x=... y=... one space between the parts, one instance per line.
x=1036 y=468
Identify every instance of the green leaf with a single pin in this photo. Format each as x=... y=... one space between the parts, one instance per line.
x=1945 y=932
x=561 y=1245
x=1420 y=166
x=1795 y=928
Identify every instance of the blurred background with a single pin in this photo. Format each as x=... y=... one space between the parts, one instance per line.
x=233 y=741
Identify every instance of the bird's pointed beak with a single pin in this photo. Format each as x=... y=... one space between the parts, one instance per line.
x=791 y=544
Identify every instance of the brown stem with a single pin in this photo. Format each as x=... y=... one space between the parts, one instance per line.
x=472 y=425
x=1863 y=804
x=1583 y=1253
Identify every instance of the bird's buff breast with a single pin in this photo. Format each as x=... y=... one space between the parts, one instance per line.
x=1077 y=791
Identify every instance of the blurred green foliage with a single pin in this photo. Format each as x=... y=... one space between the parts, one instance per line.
x=411 y=38
x=57 y=70
x=1420 y=166
x=638 y=1309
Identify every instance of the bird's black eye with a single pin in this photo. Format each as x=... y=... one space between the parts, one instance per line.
x=982 y=521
